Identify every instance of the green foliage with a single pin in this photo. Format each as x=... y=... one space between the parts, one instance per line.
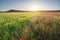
x=14 y=26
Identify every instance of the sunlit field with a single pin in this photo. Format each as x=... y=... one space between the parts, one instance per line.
x=30 y=26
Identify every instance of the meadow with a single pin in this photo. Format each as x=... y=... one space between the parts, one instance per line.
x=29 y=25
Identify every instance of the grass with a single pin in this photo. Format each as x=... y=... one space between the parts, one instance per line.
x=29 y=26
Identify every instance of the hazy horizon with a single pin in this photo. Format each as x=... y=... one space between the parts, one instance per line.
x=28 y=4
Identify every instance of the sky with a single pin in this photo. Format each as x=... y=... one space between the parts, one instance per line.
x=28 y=4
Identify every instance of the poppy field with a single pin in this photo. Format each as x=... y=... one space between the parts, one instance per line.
x=29 y=26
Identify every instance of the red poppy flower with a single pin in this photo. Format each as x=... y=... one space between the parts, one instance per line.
x=30 y=39
x=20 y=38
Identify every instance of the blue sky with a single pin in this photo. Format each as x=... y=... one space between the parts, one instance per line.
x=26 y=4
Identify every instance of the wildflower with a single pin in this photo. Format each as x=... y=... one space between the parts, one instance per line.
x=24 y=38
x=30 y=38
x=20 y=38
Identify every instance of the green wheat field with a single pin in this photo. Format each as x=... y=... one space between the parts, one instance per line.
x=29 y=25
